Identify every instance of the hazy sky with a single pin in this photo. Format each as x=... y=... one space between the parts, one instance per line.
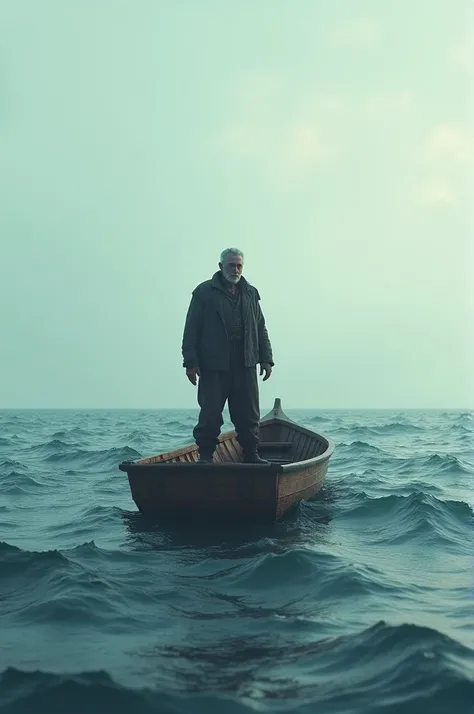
x=330 y=141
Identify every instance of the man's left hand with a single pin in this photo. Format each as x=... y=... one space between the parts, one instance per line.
x=268 y=370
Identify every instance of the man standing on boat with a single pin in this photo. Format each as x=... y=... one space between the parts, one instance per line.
x=224 y=339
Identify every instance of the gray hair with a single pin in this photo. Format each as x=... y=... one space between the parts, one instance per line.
x=230 y=251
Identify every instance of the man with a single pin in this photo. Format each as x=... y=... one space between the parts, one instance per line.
x=224 y=338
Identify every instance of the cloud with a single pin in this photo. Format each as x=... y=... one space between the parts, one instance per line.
x=435 y=192
x=286 y=139
x=450 y=142
x=444 y=158
x=462 y=55
x=286 y=151
x=364 y=33
x=388 y=106
x=302 y=149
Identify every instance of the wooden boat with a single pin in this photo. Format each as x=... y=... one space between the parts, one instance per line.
x=175 y=484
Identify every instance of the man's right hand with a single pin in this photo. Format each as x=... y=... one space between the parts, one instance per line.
x=192 y=373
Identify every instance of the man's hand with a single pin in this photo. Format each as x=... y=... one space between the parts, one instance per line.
x=192 y=373
x=268 y=370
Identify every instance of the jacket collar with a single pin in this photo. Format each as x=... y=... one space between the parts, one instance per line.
x=217 y=282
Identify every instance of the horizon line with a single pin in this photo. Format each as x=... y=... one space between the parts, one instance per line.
x=196 y=408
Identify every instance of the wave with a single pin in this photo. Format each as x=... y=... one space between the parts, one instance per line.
x=87 y=522
x=75 y=432
x=179 y=425
x=462 y=428
x=17 y=483
x=78 y=585
x=462 y=418
x=12 y=421
x=59 y=452
x=23 y=571
x=392 y=668
x=272 y=570
x=405 y=665
x=84 y=585
x=433 y=464
x=51 y=448
x=137 y=437
x=437 y=464
x=46 y=693
x=396 y=427
x=111 y=457
x=403 y=668
x=359 y=448
x=418 y=515
x=364 y=431
x=11 y=464
x=49 y=587
x=380 y=482
x=14 y=559
x=319 y=574
x=317 y=419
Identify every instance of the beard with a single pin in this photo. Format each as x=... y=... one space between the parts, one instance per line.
x=234 y=279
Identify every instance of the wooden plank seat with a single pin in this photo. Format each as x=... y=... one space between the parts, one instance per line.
x=275 y=445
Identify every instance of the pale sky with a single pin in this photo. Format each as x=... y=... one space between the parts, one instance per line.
x=332 y=142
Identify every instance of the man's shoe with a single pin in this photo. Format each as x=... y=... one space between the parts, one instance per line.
x=254 y=458
x=205 y=458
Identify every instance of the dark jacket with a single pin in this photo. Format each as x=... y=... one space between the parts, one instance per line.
x=205 y=342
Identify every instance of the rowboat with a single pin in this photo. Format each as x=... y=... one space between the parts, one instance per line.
x=175 y=484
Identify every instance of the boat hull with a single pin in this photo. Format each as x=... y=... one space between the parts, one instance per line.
x=299 y=485
x=205 y=492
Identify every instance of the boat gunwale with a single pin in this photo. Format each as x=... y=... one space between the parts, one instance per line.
x=224 y=465
x=278 y=468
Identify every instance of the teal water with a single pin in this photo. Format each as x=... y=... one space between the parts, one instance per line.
x=361 y=601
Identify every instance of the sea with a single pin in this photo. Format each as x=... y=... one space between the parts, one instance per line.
x=358 y=602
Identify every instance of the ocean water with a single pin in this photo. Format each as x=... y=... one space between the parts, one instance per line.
x=361 y=601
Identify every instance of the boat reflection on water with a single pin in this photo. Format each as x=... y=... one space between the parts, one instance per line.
x=308 y=523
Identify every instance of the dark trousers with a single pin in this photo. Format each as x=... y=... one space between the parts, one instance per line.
x=239 y=386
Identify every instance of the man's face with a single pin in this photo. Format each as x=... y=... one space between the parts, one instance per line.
x=232 y=268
